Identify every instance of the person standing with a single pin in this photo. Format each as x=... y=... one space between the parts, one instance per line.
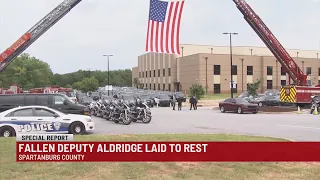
x=192 y=102
x=179 y=103
x=174 y=100
x=195 y=106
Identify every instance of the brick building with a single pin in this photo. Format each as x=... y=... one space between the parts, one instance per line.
x=210 y=67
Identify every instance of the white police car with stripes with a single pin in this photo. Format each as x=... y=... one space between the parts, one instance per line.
x=41 y=119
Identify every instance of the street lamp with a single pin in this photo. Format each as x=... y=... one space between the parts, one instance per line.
x=108 y=56
x=231 y=78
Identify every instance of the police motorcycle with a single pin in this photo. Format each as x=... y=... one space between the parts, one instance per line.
x=107 y=111
x=315 y=103
x=140 y=111
x=94 y=107
x=120 y=112
x=101 y=108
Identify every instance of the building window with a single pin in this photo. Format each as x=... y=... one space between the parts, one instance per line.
x=163 y=87
x=159 y=87
x=250 y=70
x=216 y=69
x=143 y=74
x=158 y=72
x=139 y=74
x=283 y=72
x=164 y=72
x=318 y=71
x=269 y=70
x=150 y=86
x=146 y=74
x=308 y=70
x=150 y=74
x=154 y=73
x=269 y=84
x=169 y=87
x=216 y=89
x=154 y=86
x=283 y=82
x=169 y=71
x=234 y=70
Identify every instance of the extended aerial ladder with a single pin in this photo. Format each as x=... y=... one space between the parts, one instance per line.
x=286 y=61
x=298 y=92
x=35 y=32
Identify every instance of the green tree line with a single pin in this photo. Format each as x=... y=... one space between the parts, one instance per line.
x=29 y=72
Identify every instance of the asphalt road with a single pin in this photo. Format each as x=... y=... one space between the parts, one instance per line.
x=299 y=127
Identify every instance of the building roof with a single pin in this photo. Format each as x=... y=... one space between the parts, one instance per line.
x=189 y=49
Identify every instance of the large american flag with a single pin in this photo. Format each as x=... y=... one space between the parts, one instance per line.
x=164 y=26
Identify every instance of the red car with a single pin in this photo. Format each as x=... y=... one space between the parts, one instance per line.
x=238 y=105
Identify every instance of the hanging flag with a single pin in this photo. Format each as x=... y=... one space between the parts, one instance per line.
x=164 y=26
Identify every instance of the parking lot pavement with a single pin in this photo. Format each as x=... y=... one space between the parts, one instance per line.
x=300 y=127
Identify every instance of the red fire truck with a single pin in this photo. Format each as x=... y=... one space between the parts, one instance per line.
x=299 y=91
x=56 y=89
x=14 y=89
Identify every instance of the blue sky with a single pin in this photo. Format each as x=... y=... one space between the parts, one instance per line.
x=97 y=27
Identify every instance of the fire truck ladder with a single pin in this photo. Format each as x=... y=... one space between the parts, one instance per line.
x=290 y=66
x=35 y=32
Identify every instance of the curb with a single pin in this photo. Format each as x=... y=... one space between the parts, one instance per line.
x=262 y=112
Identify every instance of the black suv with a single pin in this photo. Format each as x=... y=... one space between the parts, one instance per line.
x=59 y=102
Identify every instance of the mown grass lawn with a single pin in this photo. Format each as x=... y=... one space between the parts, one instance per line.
x=11 y=170
x=217 y=96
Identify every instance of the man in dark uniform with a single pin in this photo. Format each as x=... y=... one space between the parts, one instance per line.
x=195 y=103
x=179 y=103
x=192 y=102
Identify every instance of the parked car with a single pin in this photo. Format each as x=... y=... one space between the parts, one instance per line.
x=179 y=95
x=85 y=100
x=59 y=102
x=238 y=105
x=266 y=101
x=148 y=100
x=41 y=119
x=164 y=100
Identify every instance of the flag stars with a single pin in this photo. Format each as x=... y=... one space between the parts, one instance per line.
x=158 y=10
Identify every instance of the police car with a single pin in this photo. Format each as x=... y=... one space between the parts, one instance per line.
x=41 y=119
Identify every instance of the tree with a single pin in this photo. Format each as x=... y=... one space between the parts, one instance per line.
x=68 y=86
x=28 y=72
x=253 y=87
x=197 y=91
x=136 y=82
x=89 y=84
x=76 y=85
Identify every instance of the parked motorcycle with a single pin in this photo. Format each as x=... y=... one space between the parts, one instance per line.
x=140 y=111
x=121 y=113
x=119 y=110
x=315 y=103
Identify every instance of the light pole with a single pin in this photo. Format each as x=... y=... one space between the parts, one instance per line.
x=108 y=56
x=231 y=78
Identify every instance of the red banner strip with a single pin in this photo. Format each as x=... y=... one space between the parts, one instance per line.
x=168 y=151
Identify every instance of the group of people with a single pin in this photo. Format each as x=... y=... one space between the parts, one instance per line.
x=193 y=102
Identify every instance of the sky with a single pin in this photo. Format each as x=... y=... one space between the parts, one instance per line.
x=118 y=27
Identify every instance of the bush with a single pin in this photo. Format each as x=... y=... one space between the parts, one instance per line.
x=253 y=87
x=197 y=91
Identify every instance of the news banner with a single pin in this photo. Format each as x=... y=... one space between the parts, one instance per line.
x=63 y=148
